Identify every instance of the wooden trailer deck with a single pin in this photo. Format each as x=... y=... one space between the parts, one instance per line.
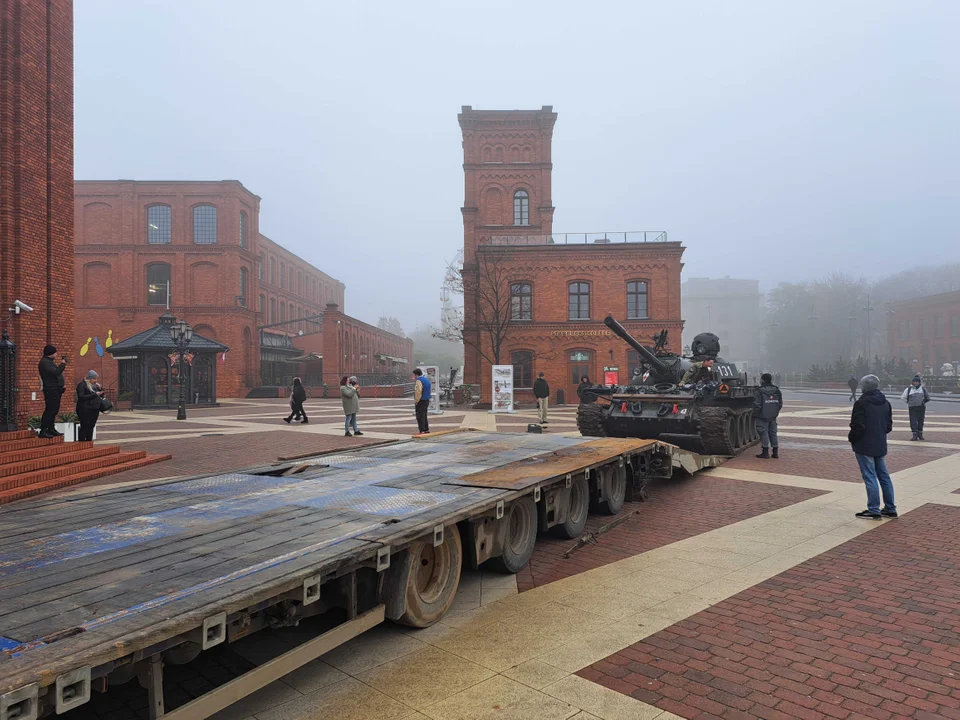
x=91 y=581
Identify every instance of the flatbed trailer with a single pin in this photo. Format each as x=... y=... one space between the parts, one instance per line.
x=98 y=588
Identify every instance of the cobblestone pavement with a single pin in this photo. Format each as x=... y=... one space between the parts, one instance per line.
x=826 y=615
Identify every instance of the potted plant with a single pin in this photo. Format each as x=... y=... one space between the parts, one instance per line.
x=67 y=423
x=125 y=401
x=34 y=423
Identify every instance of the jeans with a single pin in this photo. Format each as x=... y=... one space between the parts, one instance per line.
x=349 y=420
x=422 y=423
x=51 y=407
x=917 y=413
x=877 y=479
x=767 y=430
x=542 y=404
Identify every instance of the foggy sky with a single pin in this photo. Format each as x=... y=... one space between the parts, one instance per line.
x=778 y=141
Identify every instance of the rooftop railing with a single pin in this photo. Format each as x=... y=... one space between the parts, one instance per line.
x=600 y=238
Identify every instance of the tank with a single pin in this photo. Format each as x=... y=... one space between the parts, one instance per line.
x=712 y=414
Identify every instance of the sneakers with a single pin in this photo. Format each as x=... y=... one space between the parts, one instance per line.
x=776 y=452
x=347 y=434
x=866 y=514
x=358 y=433
x=889 y=513
x=287 y=420
x=304 y=422
x=765 y=454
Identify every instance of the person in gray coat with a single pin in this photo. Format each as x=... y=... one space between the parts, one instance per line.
x=767 y=403
x=350 y=396
x=916 y=397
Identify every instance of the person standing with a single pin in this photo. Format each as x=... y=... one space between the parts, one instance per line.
x=541 y=391
x=421 y=398
x=870 y=423
x=299 y=396
x=699 y=371
x=350 y=397
x=852 y=384
x=584 y=384
x=916 y=397
x=51 y=377
x=767 y=404
x=89 y=395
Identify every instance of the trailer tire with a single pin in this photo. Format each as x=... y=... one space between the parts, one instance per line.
x=520 y=536
x=578 y=509
x=612 y=483
x=422 y=581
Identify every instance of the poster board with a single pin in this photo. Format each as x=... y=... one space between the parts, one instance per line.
x=433 y=375
x=611 y=375
x=502 y=387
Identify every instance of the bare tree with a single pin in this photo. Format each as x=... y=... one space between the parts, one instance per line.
x=391 y=325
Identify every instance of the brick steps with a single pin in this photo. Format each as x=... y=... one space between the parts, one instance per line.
x=30 y=465
x=73 y=455
x=25 y=491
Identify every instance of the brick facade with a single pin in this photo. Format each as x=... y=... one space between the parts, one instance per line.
x=227 y=280
x=925 y=331
x=509 y=244
x=353 y=347
x=36 y=183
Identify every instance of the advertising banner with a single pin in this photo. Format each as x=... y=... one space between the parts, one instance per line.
x=433 y=375
x=611 y=375
x=502 y=389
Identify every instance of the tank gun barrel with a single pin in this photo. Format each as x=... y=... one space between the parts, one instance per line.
x=656 y=363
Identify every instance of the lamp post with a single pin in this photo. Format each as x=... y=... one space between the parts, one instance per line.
x=182 y=334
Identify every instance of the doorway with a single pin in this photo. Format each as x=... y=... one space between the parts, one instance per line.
x=579 y=363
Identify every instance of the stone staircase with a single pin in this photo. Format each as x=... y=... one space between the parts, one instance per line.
x=30 y=465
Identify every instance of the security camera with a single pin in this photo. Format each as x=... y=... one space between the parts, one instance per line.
x=19 y=305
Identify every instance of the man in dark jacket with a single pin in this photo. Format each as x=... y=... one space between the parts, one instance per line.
x=767 y=404
x=852 y=384
x=541 y=391
x=51 y=377
x=870 y=422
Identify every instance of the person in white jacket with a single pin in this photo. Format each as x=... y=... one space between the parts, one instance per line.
x=916 y=397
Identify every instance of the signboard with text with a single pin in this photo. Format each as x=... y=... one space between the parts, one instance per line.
x=611 y=375
x=502 y=388
x=433 y=375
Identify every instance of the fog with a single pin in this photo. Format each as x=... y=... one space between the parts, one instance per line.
x=776 y=141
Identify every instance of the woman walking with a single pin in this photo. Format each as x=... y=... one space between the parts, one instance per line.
x=350 y=396
x=299 y=395
x=88 y=405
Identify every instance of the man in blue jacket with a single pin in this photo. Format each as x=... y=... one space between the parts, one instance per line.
x=421 y=399
x=870 y=422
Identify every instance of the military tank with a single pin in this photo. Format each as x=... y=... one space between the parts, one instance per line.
x=711 y=413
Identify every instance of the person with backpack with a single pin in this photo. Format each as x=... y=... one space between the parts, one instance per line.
x=767 y=404
x=916 y=397
x=297 y=398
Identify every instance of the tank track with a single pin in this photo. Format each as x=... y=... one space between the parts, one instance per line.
x=715 y=431
x=590 y=420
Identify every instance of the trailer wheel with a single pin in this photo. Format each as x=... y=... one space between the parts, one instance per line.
x=577 y=510
x=612 y=482
x=422 y=583
x=520 y=523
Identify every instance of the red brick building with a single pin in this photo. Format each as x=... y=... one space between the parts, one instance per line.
x=196 y=245
x=925 y=331
x=537 y=300
x=36 y=185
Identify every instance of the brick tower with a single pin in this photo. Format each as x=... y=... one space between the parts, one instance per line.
x=36 y=183
x=507 y=191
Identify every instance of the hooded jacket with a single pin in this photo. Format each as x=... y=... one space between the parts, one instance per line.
x=767 y=402
x=870 y=421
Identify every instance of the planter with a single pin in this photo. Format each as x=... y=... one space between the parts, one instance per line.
x=69 y=431
x=124 y=405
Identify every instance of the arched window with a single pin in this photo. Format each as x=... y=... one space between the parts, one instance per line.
x=283 y=311
x=315 y=297
x=521 y=208
x=579 y=300
x=243 y=287
x=522 y=361
x=260 y=268
x=158 y=283
x=260 y=304
x=521 y=302
x=299 y=283
x=291 y=286
x=158 y=224
x=273 y=270
x=204 y=225
x=283 y=275
x=243 y=229
x=637 y=300
x=273 y=310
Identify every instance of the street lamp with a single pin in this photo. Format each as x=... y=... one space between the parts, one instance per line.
x=182 y=334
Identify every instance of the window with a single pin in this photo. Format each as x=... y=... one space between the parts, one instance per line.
x=579 y=296
x=273 y=310
x=243 y=229
x=902 y=329
x=158 y=224
x=204 y=225
x=243 y=287
x=158 y=282
x=291 y=287
x=938 y=325
x=637 y=300
x=283 y=311
x=260 y=268
x=955 y=328
x=273 y=271
x=633 y=362
x=521 y=302
x=522 y=361
x=924 y=328
x=315 y=298
x=260 y=304
x=283 y=275
x=580 y=362
x=909 y=329
x=299 y=283
x=521 y=208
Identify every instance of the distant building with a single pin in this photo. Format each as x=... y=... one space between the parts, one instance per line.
x=729 y=308
x=925 y=331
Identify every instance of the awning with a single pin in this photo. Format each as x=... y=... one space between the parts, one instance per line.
x=308 y=356
x=391 y=358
